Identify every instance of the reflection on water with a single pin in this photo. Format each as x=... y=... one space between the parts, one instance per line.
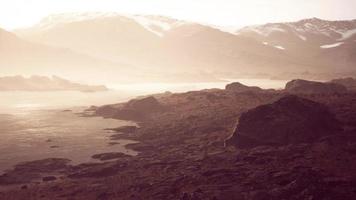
x=34 y=135
x=19 y=101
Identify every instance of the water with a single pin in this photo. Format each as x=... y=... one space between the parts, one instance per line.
x=32 y=123
x=34 y=135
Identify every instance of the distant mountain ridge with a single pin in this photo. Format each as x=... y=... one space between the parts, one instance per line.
x=158 y=44
x=182 y=46
x=155 y=24
x=333 y=30
x=20 y=56
x=322 y=43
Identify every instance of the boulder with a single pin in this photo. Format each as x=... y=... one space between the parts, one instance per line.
x=136 y=109
x=139 y=109
x=313 y=87
x=290 y=120
x=238 y=87
x=106 y=111
x=147 y=104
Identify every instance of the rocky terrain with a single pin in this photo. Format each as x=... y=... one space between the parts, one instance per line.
x=184 y=154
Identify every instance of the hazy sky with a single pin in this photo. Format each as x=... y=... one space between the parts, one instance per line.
x=19 y=13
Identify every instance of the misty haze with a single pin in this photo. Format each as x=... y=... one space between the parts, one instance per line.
x=177 y=100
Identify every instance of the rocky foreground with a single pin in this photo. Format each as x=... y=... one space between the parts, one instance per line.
x=194 y=147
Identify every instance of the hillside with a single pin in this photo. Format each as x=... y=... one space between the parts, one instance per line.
x=162 y=44
x=18 y=56
x=323 y=43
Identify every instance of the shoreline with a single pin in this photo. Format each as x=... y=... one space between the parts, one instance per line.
x=182 y=153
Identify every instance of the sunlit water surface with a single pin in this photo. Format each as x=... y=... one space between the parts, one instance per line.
x=34 y=135
x=34 y=125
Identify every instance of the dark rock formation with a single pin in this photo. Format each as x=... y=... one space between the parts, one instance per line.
x=139 y=109
x=349 y=83
x=289 y=120
x=238 y=87
x=313 y=87
x=147 y=104
x=105 y=111
x=136 y=109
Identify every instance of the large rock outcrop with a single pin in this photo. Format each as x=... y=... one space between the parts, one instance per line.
x=290 y=120
x=238 y=87
x=136 y=109
x=313 y=87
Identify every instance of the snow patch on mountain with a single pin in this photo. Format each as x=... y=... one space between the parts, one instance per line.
x=155 y=24
x=328 y=46
x=348 y=34
x=334 y=30
x=279 y=47
x=275 y=46
x=302 y=37
x=227 y=29
x=63 y=18
x=264 y=30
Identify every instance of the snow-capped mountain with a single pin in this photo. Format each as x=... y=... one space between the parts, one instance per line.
x=158 y=43
x=110 y=36
x=314 y=31
x=319 y=42
x=158 y=25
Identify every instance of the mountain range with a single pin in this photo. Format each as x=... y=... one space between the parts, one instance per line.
x=116 y=46
x=327 y=44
